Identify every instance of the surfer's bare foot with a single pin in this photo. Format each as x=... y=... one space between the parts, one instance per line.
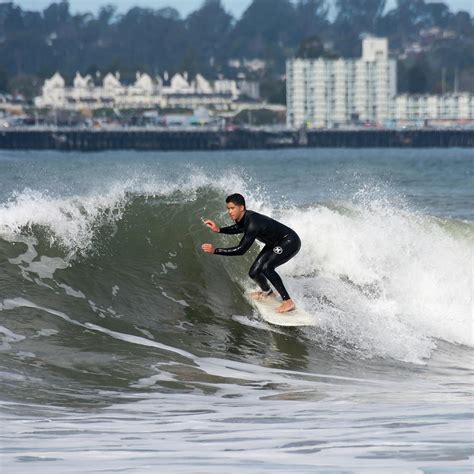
x=262 y=295
x=286 y=306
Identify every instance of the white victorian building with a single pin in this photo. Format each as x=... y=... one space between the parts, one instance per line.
x=177 y=91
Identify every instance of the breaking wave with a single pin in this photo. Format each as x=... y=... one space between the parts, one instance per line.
x=380 y=279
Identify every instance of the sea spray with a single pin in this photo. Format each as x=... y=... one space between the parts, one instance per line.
x=395 y=281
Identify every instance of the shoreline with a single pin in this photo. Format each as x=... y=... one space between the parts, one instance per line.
x=73 y=139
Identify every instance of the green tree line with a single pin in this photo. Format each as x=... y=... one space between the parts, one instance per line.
x=35 y=44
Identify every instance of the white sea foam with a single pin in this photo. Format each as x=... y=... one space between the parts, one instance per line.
x=7 y=336
x=69 y=220
x=392 y=281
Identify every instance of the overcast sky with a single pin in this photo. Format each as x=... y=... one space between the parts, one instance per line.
x=236 y=7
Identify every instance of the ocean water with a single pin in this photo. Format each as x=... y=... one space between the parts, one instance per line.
x=124 y=348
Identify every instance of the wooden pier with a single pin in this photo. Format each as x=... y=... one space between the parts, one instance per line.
x=215 y=139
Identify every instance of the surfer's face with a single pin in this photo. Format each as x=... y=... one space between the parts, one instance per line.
x=235 y=211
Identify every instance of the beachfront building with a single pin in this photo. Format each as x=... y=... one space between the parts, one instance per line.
x=177 y=91
x=428 y=109
x=330 y=92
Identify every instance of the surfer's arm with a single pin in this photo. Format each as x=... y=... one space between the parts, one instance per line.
x=246 y=242
x=231 y=229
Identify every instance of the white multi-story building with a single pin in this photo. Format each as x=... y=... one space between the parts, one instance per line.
x=85 y=94
x=327 y=92
x=146 y=92
x=419 y=108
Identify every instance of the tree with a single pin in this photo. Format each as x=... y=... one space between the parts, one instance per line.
x=265 y=29
x=3 y=81
x=417 y=79
x=463 y=24
x=26 y=85
x=313 y=47
x=353 y=18
x=209 y=29
x=273 y=90
x=106 y=15
x=56 y=14
x=439 y=13
x=363 y=14
x=145 y=36
x=312 y=17
x=403 y=23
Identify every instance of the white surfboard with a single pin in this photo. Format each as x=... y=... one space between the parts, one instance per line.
x=297 y=317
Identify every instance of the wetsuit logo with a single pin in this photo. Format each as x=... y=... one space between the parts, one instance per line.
x=278 y=250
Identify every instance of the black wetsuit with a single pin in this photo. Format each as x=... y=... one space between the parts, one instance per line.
x=281 y=244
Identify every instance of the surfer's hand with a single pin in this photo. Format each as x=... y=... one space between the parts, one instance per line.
x=208 y=248
x=212 y=225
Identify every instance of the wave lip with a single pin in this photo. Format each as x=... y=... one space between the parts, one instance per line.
x=69 y=221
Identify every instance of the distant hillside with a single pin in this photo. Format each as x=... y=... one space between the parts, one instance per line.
x=435 y=46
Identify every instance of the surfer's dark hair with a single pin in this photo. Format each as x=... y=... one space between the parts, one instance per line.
x=236 y=198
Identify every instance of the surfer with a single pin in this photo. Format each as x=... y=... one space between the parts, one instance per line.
x=281 y=244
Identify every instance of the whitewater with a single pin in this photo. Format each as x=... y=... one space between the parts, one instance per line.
x=124 y=347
